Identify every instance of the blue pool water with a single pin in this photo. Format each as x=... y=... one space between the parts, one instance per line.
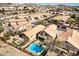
x=35 y=48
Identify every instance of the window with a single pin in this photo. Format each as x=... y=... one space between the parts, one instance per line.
x=67 y=47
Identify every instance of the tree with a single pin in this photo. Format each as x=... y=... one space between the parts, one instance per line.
x=18 y=32
x=2 y=11
x=77 y=21
x=1 y=29
x=0 y=23
x=39 y=22
x=36 y=18
x=72 y=22
x=58 y=9
x=24 y=8
x=16 y=17
x=7 y=34
x=73 y=16
x=56 y=22
x=16 y=13
x=44 y=16
x=33 y=11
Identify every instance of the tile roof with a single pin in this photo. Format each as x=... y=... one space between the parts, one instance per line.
x=71 y=36
x=74 y=40
x=15 y=26
x=64 y=35
x=34 y=31
x=51 y=30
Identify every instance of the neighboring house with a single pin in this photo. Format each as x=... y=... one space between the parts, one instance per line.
x=20 y=40
x=70 y=41
x=17 y=25
x=40 y=15
x=8 y=8
x=20 y=8
x=23 y=27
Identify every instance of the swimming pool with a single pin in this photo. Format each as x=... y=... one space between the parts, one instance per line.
x=35 y=48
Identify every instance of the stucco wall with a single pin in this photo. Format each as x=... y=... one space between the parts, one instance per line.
x=69 y=47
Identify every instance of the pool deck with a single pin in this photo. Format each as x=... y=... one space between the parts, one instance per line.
x=28 y=43
x=38 y=53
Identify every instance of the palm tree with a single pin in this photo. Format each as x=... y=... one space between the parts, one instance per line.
x=3 y=10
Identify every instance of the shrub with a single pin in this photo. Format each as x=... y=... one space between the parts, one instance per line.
x=7 y=34
x=1 y=29
x=0 y=23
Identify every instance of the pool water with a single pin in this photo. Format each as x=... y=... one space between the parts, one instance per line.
x=35 y=48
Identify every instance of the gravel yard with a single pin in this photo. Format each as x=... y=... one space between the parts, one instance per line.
x=7 y=50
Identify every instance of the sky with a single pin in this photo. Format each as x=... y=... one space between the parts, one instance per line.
x=69 y=4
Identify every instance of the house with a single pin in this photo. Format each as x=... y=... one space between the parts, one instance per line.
x=70 y=41
x=40 y=16
x=49 y=33
x=31 y=34
x=18 y=24
x=23 y=27
x=51 y=30
x=20 y=40
x=20 y=8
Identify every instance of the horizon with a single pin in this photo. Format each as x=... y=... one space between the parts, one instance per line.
x=68 y=4
x=52 y=4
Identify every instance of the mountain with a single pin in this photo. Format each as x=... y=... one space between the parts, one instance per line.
x=67 y=7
